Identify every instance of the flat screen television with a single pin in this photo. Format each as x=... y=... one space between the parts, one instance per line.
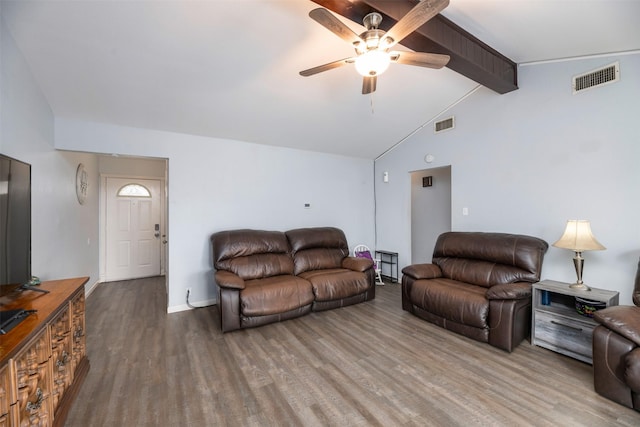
x=15 y=222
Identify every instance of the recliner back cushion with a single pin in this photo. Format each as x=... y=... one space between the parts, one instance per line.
x=317 y=248
x=487 y=259
x=252 y=254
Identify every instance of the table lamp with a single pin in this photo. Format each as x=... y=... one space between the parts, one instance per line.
x=578 y=237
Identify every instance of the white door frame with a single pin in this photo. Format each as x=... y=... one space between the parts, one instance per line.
x=103 y=220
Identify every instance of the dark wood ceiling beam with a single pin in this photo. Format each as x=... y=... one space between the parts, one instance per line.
x=469 y=56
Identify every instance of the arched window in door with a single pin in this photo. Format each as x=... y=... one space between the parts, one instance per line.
x=134 y=190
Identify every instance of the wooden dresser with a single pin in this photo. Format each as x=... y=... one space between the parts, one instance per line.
x=43 y=359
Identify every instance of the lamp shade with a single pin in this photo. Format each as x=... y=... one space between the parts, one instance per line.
x=578 y=237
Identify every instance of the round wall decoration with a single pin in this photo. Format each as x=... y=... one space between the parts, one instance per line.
x=82 y=183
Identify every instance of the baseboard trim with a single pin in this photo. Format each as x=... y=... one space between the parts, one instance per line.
x=89 y=291
x=194 y=305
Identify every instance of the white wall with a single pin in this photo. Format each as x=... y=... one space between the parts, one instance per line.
x=527 y=161
x=64 y=233
x=216 y=184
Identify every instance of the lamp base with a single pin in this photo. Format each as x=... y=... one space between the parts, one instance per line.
x=579 y=287
x=578 y=263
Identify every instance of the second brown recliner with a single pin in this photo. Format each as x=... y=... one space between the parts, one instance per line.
x=616 y=351
x=478 y=285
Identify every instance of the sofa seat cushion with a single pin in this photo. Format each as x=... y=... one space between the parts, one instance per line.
x=452 y=300
x=276 y=294
x=336 y=283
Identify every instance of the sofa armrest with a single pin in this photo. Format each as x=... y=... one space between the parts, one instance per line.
x=632 y=371
x=229 y=280
x=422 y=271
x=622 y=319
x=509 y=291
x=357 y=264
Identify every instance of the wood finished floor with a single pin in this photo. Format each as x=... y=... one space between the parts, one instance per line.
x=371 y=364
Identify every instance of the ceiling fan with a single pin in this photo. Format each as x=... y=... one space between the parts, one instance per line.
x=373 y=54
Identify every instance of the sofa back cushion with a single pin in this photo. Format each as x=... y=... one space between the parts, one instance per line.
x=317 y=248
x=252 y=254
x=487 y=259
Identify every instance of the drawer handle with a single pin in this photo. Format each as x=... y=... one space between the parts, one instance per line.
x=34 y=406
x=79 y=333
x=566 y=326
x=65 y=358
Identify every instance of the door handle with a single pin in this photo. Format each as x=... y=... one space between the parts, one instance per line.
x=156 y=234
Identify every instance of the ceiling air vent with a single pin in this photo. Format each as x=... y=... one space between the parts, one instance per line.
x=595 y=78
x=443 y=125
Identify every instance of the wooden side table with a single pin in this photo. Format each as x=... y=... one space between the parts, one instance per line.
x=555 y=323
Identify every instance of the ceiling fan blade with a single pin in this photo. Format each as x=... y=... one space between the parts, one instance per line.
x=417 y=16
x=333 y=24
x=326 y=67
x=421 y=59
x=369 y=84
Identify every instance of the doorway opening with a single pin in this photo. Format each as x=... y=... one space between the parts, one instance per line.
x=133 y=206
x=430 y=210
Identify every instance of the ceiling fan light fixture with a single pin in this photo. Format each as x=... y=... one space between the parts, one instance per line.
x=373 y=46
x=372 y=63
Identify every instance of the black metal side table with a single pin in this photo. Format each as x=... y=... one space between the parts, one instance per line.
x=390 y=260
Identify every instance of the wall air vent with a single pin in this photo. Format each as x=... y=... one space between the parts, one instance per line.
x=443 y=125
x=596 y=78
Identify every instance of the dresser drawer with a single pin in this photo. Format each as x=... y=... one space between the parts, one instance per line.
x=5 y=390
x=570 y=336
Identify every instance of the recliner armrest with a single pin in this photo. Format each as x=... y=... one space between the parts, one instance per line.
x=357 y=264
x=517 y=290
x=632 y=371
x=229 y=280
x=422 y=271
x=622 y=319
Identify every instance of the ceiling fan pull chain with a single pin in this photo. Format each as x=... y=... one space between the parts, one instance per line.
x=372 y=109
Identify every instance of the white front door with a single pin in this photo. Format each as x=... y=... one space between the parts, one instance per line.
x=133 y=229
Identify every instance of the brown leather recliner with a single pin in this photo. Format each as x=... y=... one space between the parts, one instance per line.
x=616 y=351
x=269 y=276
x=478 y=285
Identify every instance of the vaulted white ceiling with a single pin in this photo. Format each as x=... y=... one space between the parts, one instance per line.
x=229 y=68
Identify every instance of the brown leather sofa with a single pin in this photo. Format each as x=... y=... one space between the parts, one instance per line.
x=616 y=351
x=269 y=276
x=478 y=285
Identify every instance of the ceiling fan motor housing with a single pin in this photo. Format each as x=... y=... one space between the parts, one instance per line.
x=372 y=40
